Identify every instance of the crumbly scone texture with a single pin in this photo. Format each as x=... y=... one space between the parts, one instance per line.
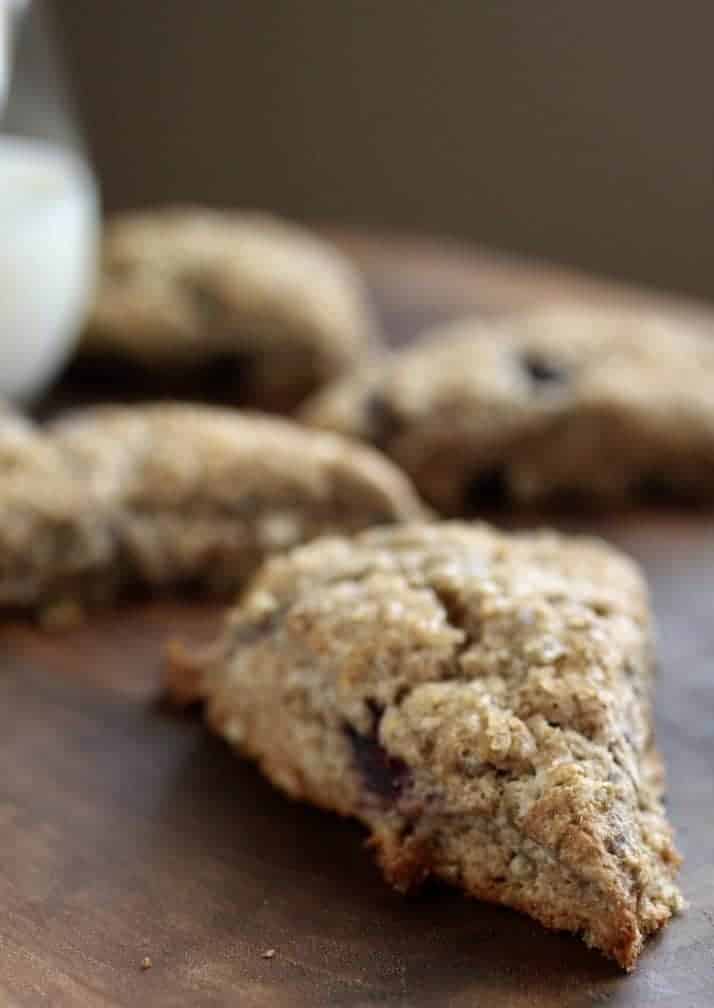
x=53 y=545
x=198 y=495
x=576 y=403
x=481 y=701
x=250 y=307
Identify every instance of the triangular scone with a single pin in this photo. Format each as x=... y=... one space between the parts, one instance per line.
x=481 y=701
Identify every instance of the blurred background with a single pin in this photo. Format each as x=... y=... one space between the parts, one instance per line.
x=580 y=132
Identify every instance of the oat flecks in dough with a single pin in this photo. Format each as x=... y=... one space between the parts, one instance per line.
x=236 y=305
x=571 y=403
x=53 y=544
x=201 y=495
x=480 y=701
x=171 y=496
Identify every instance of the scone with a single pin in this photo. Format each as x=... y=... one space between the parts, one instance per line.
x=226 y=306
x=481 y=701
x=198 y=496
x=565 y=405
x=53 y=546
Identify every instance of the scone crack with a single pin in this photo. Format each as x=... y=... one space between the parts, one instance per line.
x=480 y=701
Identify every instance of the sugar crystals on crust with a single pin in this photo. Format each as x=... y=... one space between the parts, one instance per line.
x=481 y=701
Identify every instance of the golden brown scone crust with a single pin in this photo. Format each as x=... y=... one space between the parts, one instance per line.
x=237 y=303
x=53 y=545
x=481 y=701
x=200 y=495
x=560 y=403
x=164 y=497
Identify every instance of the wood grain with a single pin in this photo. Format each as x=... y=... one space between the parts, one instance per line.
x=128 y=832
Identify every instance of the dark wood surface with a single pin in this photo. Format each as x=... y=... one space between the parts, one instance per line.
x=128 y=831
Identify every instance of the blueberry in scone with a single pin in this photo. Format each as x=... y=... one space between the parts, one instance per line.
x=555 y=404
x=480 y=701
x=224 y=306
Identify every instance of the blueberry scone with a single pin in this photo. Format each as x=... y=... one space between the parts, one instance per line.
x=480 y=701
x=558 y=404
x=54 y=548
x=225 y=306
x=198 y=495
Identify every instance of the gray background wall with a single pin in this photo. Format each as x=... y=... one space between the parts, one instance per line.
x=579 y=130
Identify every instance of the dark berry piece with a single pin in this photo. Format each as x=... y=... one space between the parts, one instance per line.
x=486 y=489
x=541 y=371
x=383 y=775
x=383 y=421
x=209 y=305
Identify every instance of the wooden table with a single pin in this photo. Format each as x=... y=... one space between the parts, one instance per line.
x=129 y=832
